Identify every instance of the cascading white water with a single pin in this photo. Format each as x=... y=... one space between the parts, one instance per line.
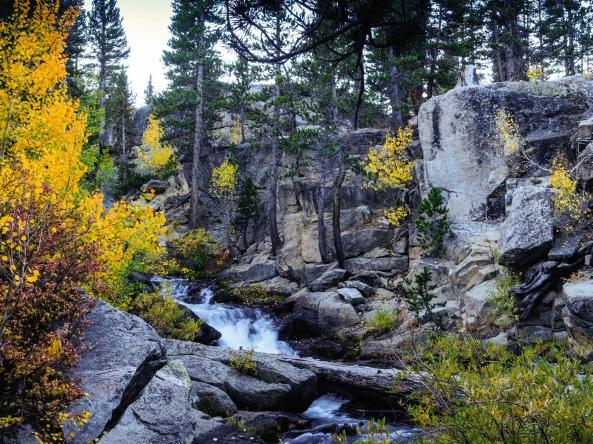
x=241 y=327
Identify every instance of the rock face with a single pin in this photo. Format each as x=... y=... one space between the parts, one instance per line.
x=328 y=279
x=123 y=354
x=578 y=317
x=323 y=312
x=163 y=412
x=528 y=230
x=459 y=143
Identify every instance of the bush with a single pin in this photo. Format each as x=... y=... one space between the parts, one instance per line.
x=243 y=362
x=198 y=251
x=419 y=298
x=382 y=322
x=43 y=263
x=250 y=295
x=502 y=299
x=432 y=222
x=166 y=316
x=481 y=395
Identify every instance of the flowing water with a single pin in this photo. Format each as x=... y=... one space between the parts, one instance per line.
x=241 y=327
x=250 y=328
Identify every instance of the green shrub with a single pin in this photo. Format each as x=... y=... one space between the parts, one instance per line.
x=382 y=322
x=198 y=251
x=166 y=316
x=432 y=222
x=481 y=395
x=502 y=300
x=250 y=295
x=243 y=362
x=419 y=298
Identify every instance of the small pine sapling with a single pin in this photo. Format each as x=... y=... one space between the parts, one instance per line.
x=432 y=222
x=419 y=297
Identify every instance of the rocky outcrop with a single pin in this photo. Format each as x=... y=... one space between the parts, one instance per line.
x=328 y=279
x=122 y=353
x=528 y=230
x=163 y=412
x=322 y=312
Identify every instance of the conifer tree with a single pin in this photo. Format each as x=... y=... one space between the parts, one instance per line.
x=109 y=46
x=192 y=69
x=75 y=45
x=149 y=92
x=120 y=117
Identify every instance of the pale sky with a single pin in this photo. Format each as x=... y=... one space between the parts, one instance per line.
x=146 y=23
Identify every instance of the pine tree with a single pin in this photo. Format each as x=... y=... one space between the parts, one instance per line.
x=149 y=92
x=192 y=69
x=419 y=297
x=75 y=45
x=120 y=117
x=109 y=46
x=247 y=208
x=432 y=223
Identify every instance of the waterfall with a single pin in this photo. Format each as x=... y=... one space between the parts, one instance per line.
x=241 y=327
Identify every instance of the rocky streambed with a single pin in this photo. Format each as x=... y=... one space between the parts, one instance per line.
x=346 y=398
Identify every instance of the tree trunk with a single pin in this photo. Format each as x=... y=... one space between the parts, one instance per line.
x=394 y=98
x=321 y=237
x=337 y=208
x=196 y=169
x=124 y=154
x=274 y=235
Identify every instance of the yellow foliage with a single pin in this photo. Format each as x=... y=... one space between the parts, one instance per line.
x=224 y=180
x=395 y=216
x=235 y=136
x=535 y=73
x=567 y=202
x=154 y=157
x=390 y=166
x=42 y=135
x=507 y=133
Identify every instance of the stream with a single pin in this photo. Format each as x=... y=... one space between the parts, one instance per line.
x=250 y=328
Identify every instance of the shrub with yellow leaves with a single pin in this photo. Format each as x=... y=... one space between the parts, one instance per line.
x=486 y=394
x=507 y=133
x=569 y=204
x=155 y=158
x=55 y=238
x=223 y=187
x=390 y=167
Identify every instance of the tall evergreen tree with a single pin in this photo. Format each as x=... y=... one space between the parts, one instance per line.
x=120 y=118
x=193 y=69
x=75 y=45
x=107 y=38
x=149 y=92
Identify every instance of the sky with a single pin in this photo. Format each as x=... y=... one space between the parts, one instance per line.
x=146 y=23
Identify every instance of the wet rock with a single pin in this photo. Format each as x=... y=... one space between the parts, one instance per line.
x=266 y=425
x=528 y=230
x=122 y=354
x=212 y=400
x=351 y=295
x=163 y=411
x=206 y=334
x=328 y=279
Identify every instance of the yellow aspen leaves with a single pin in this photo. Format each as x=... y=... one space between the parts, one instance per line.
x=390 y=166
x=154 y=156
x=224 y=180
x=507 y=133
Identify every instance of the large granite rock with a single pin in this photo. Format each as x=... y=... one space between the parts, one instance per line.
x=323 y=312
x=459 y=143
x=163 y=413
x=122 y=353
x=212 y=400
x=391 y=264
x=328 y=279
x=577 y=315
x=528 y=230
x=250 y=273
x=363 y=240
